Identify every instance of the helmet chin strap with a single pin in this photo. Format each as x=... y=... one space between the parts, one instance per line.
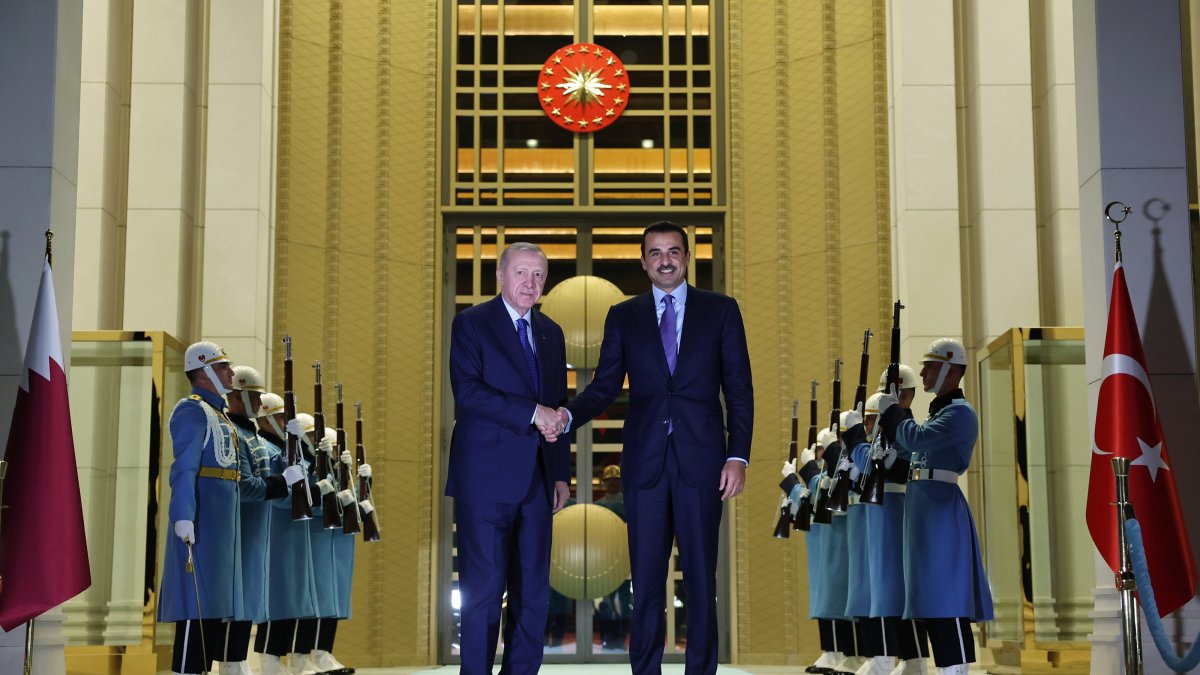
x=874 y=431
x=216 y=381
x=275 y=425
x=941 y=379
x=249 y=411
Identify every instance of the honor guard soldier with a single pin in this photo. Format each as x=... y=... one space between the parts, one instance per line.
x=257 y=486
x=202 y=581
x=860 y=428
x=945 y=585
x=291 y=587
x=826 y=568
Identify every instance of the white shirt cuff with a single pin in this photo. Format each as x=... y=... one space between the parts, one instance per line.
x=743 y=461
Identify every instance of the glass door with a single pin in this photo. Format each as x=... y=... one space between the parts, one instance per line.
x=593 y=265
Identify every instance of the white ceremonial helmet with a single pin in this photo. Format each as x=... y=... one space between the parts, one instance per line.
x=946 y=351
x=908 y=378
x=842 y=421
x=246 y=380
x=202 y=355
x=269 y=406
x=308 y=424
x=331 y=435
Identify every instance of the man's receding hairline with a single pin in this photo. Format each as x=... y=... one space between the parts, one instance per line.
x=517 y=247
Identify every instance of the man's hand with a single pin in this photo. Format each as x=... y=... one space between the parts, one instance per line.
x=789 y=468
x=854 y=417
x=346 y=458
x=886 y=401
x=562 y=492
x=564 y=418
x=293 y=474
x=364 y=470
x=295 y=427
x=546 y=421
x=808 y=455
x=733 y=479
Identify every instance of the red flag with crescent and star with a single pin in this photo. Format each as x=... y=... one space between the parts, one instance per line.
x=1127 y=425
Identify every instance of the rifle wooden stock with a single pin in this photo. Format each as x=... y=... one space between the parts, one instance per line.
x=803 y=519
x=370 y=519
x=821 y=512
x=301 y=504
x=350 y=522
x=331 y=508
x=839 y=500
x=873 y=482
x=783 y=528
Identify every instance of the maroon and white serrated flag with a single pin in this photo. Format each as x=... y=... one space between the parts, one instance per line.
x=1127 y=425
x=43 y=549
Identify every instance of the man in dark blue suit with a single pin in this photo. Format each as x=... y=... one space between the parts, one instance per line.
x=682 y=348
x=509 y=465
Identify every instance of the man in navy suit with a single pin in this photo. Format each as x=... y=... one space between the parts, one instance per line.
x=682 y=348
x=509 y=465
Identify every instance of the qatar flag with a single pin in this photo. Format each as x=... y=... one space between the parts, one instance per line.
x=1127 y=426
x=43 y=551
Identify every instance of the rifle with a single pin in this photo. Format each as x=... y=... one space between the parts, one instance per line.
x=839 y=499
x=301 y=499
x=783 y=528
x=345 y=480
x=370 y=519
x=821 y=512
x=803 y=521
x=331 y=516
x=873 y=481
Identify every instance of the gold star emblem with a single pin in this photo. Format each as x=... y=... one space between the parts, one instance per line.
x=570 y=52
x=596 y=120
x=555 y=112
x=618 y=100
x=569 y=120
x=549 y=71
x=609 y=61
x=621 y=87
x=557 y=59
x=599 y=52
x=547 y=100
x=583 y=49
x=620 y=72
x=582 y=123
x=546 y=85
x=608 y=113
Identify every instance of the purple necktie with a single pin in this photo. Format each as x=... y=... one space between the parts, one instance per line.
x=666 y=329
x=530 y=359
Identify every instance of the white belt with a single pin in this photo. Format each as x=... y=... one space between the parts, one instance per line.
x=934 y=474
x=894 y=487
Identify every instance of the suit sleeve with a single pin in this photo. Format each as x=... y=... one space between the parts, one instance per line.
x=472 y=393
x=737 y=384
x=609 y=377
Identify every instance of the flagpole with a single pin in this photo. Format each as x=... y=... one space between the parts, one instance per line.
x=29 y=624
x=1126 y=583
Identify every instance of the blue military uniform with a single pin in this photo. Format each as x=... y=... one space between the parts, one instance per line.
x=885 y=553
x=204 y=489
x=257 y=487
x=943 y=568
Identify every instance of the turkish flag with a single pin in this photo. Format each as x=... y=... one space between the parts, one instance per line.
x=1127 y=426
x=43 y=550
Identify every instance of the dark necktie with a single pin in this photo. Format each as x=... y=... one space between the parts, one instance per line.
x=666 y=329
x=530 y=359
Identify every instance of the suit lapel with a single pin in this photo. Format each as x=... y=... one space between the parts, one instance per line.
x=693 y=317
x=510 y=343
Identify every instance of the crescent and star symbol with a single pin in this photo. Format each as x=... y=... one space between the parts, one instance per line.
x=1151 y=455
x=583 y=87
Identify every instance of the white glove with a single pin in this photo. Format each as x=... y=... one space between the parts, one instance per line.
x=854 y=417
x=886 y=401
x=826 y=438
x=185 y=530
x=804 y=493
x=326 y=445
x=294 y=427
x=364 y=470
x=789 y=468
x=808 y=455
x=366 y=506
x=889 y=456
x=293 y=474
x=346 y=497
x=346 y=458
x=785 y=502
x=325 y=485
x=844 y=464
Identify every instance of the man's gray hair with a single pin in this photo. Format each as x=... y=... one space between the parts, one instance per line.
x=520 y=246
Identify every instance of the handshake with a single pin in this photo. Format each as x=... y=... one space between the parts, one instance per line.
x=552 y=423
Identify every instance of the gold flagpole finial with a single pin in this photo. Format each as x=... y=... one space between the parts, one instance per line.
x=50 y=247
x=1108 y=214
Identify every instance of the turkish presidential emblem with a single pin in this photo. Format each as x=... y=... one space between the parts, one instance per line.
x=583 y=87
